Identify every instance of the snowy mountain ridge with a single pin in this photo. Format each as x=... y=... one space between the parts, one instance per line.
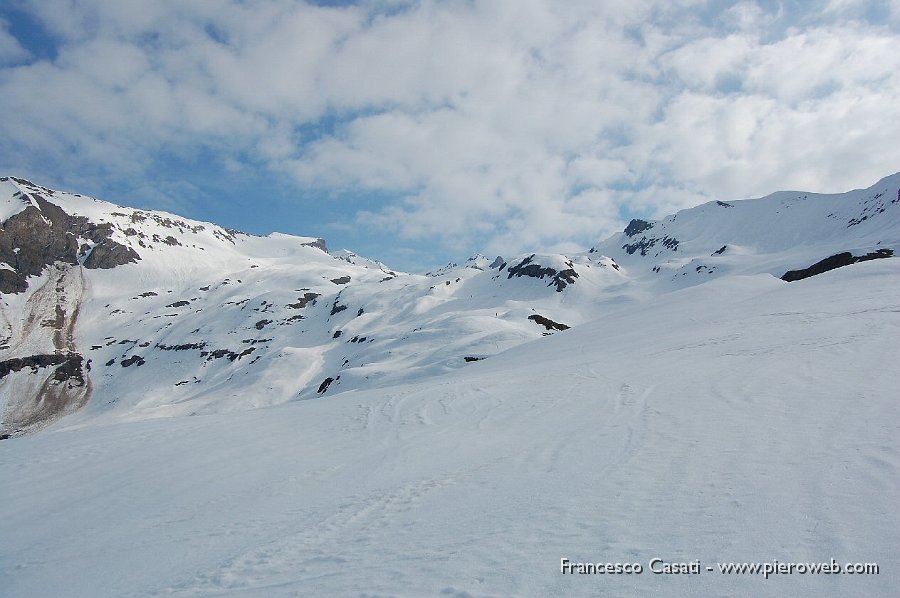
x=112 y=313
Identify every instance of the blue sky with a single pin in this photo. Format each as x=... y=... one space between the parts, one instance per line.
x=420 y=132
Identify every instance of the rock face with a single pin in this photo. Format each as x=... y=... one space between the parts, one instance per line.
x=41 y=239
x=109 y=254
x=43 y=234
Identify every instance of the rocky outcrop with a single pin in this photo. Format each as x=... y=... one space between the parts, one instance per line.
x=109 y=254
x=303 y=301
x=43 y=396
x=12 y=282
x=69 y=366
x=637 y=226
x=43 y=234
x=547 y=322
x=560 y=278
x=833 y=262
x=647 y=243
x=319 y=243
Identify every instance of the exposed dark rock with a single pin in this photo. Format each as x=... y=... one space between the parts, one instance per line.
x=134 y=359
x=561 y=278
x=637 y=226
x=182 y=347
x=720 y=250
x=647 y=243
x=12 y=282
x=547 y=322
x=39 y=236
x=231 y=355
x=220 y=353
x=325 y=384
x=303 y=301
x=262 y=324
x=470 y=358
x=109 y=254
x=318 y=244
x=337 y=308
x=833 y=262
x=875 y=205
x=337 y=334
x=498 y=261
x=68 y=366
x=724 y=205
x=70 y=369
x=179 y=304
x=341 y=280
x=60 y=391
x=360 y=312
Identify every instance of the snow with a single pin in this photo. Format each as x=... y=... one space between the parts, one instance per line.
x=236 y=292
x=746 y=419
x=698 y=408
x=10 y=204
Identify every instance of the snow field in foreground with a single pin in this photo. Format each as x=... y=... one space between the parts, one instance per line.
x=742 y=420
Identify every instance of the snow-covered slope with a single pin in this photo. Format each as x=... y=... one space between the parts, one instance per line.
x=183 y=317
x=784 y=231
x=111 y=313
x=744 y=420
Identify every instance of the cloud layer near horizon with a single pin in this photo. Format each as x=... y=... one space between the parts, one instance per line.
x=510 y=124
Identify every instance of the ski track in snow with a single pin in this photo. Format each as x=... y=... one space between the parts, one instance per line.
x=717 y=448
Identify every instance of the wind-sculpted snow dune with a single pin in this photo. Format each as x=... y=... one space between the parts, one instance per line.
x=744 y=420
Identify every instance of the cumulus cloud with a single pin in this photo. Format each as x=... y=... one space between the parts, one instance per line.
x=509 y=125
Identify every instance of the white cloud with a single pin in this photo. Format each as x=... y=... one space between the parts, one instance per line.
x=11 y=51
x=516 y=124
